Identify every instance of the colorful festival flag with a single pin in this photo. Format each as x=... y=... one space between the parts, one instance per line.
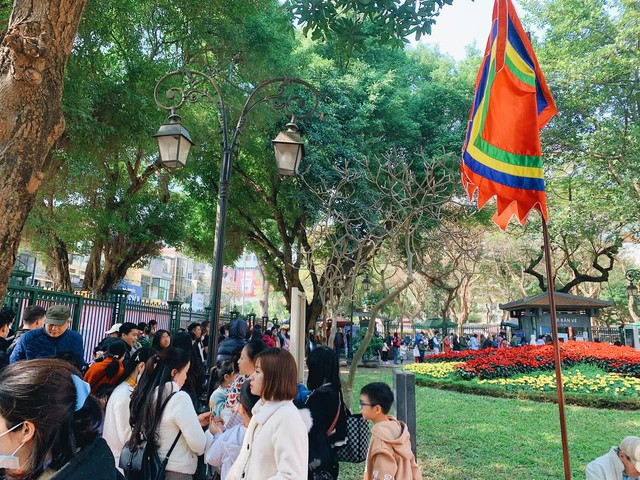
x=502 y=156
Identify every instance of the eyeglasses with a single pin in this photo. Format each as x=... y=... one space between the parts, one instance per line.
x=365 y=404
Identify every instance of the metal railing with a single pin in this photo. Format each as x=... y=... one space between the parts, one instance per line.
x=92 y=316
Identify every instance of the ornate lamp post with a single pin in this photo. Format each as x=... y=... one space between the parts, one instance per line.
x=632 y=290
x=366 y=286
x=174 y=143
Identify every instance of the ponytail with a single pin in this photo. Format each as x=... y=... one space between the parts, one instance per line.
x=149 y=396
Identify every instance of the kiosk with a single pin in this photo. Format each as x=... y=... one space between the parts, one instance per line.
x=632 y=335
x=574 y=314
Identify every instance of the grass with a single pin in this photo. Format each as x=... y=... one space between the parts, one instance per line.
x=471 y=437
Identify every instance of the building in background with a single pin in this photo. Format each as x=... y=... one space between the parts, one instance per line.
x=171 y=275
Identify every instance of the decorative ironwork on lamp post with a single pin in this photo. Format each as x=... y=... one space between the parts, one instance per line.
x=633 y=275
x=174 y=144
x=366 y=286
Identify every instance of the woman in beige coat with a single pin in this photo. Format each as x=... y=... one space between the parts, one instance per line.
x=275 y=446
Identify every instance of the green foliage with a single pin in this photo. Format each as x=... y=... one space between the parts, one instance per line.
x=356 y=24
x=373 y=349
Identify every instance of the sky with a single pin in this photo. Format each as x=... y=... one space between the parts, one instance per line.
x=461 y=24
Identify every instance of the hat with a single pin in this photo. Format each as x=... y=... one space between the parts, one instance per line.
x=630 y=446
x=57 y=315
x=115 y=328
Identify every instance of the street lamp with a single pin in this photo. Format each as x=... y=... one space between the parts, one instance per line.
x=174 y=143
x=632 y=274
x=366 y=286
x=632 y=290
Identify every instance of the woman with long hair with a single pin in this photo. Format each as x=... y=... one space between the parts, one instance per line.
x=160 y=413
x=325 y=404
x=195 y=376
x=108 y=370
x=49 y=424
x=117 y=430
x=246 y=366
x=276 y=442
x=161 y=340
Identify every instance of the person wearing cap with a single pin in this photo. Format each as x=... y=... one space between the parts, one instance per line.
x=620 y=463
x=54 y=339
x=101 y=349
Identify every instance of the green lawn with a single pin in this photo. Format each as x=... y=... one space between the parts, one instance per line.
x=462 y=436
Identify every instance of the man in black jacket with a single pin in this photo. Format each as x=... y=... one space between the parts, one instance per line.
x=6 y=320
x=237 y=335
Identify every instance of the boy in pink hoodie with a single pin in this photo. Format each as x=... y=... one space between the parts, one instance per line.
x=390 y=456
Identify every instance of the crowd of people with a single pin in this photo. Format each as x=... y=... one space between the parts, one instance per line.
x=147 y=390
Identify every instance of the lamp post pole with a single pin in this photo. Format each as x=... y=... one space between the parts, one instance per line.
x=287 y=145
x=633 y=275
x=366 y=286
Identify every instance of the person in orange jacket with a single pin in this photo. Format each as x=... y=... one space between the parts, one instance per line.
x=389 y=456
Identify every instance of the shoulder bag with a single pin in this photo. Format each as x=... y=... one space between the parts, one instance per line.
x=357 y=442
x=144 y=463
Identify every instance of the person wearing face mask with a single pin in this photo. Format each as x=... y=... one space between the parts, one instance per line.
x=49 y=424
x=117 y=430
x=163 y=415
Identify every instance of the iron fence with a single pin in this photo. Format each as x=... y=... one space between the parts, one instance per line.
x=607 y=334
x=92 y=316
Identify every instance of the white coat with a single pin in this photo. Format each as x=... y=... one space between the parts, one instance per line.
x=276 y=445
x=607 y=467
x=117 y=430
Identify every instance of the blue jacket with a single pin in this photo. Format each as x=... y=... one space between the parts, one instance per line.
x=37 y=344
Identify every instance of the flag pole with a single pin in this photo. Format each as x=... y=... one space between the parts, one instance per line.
x=556 y=351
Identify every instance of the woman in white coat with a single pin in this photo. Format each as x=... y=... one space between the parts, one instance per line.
x=276 y=445
x=117 y=430
x=162 y=414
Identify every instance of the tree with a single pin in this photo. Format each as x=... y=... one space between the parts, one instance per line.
x=352 y=23
x=406 y=205
x=35 y=50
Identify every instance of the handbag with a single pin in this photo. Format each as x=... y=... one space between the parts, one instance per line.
x=144 y=463
x=357 y=442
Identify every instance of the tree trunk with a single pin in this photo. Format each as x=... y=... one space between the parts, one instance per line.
x=357 y=356
x=264 y=301
x=33 y=57
x=58 y=266
x=92 y=272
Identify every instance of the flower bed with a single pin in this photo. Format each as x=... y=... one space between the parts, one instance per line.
x=434 y=369
x=503 y=363
x=574 y=381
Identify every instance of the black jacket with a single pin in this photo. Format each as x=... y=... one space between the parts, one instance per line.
x=324 y=404
x=94 y=462
x=4 y=355
x=237 y=335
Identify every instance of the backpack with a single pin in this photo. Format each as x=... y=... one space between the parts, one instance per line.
x=431 y=343
x=144 y=462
